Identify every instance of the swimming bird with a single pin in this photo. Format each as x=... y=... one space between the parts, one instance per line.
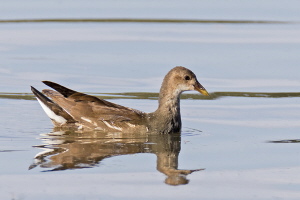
x=69 y=108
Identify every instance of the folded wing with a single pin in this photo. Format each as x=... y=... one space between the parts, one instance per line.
x=91 y=111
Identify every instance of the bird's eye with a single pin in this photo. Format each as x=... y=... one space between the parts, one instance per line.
x=187 y=78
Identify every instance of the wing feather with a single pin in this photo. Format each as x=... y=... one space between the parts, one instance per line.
x=90 y=107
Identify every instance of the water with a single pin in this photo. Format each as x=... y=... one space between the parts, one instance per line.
x=242 y=143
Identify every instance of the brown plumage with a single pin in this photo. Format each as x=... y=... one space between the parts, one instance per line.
x=69 y=108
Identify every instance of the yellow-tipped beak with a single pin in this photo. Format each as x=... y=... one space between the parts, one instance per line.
x=201 y=89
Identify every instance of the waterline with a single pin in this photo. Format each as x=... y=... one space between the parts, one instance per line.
x=154 y=96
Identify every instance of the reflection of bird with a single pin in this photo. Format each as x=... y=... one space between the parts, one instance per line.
x=69 y=108
x=67 y=150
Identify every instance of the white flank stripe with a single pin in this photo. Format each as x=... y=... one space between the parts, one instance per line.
x=86 y=119
x=130 y=125
x=111 y=126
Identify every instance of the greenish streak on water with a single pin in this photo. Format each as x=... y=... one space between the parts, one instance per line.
x=286 y=141
x=8 y=151
x=133 y=20
x=154 y=96
x=256 y=94
x=24 y=96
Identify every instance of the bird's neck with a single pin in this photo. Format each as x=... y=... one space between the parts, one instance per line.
x=169 y=104
x=168 y=111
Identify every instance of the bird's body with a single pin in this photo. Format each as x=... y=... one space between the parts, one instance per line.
x=69 y=108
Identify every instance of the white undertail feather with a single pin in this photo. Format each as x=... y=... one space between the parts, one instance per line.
x=58 y=119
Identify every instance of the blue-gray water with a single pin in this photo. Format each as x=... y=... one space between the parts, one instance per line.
x=246 y=137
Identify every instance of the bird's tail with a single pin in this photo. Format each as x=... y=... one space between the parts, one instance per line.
x=57 y=114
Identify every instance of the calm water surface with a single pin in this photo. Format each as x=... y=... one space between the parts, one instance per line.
x=242 y=143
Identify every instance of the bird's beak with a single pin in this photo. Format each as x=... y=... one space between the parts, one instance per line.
x=198 y=87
